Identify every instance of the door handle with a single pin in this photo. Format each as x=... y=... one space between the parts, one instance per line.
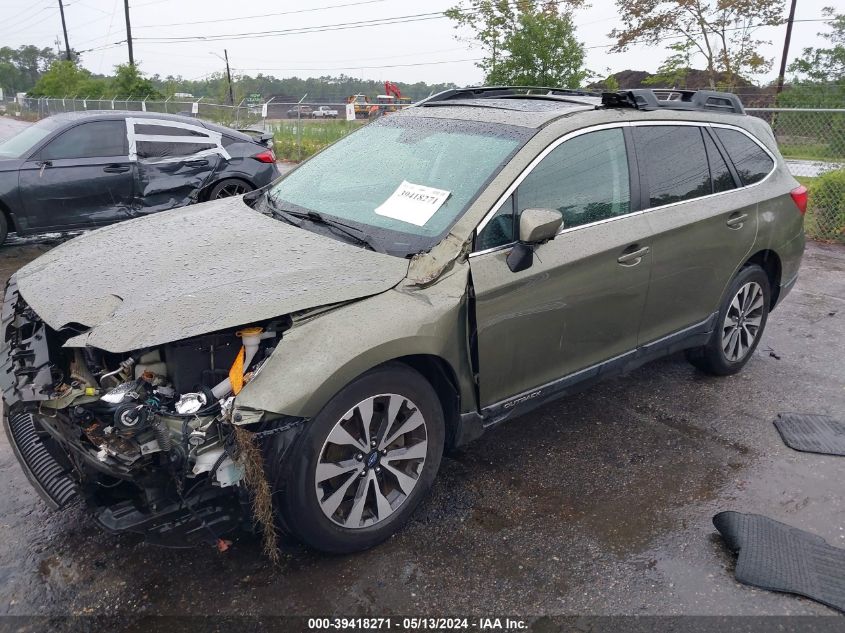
x=633 y=257
x=116 y=169
x=736 y=220
x=197 y=163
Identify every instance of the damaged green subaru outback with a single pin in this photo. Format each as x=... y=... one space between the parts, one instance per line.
x=420 y=281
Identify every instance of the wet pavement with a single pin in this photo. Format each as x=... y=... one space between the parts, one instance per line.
x=598 y=504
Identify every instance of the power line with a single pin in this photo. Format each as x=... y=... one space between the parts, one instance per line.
x=399 y=19
x=27 y=19
x=262 y=15
x=299 y=30
x=358 y=66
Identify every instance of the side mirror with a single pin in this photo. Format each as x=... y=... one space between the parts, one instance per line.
x=539 y=225
x=535 y=227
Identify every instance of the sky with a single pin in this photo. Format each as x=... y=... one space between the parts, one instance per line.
x=424 y=49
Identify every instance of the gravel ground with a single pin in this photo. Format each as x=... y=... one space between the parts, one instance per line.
x=600 y=503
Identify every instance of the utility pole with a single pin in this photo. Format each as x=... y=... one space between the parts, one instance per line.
x=229 y=77
x=786 y=47
x=128 y=32
x=64 y=29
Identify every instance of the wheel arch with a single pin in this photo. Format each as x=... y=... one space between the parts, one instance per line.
x=11 y=223
x=770 y=262
x=442 y=377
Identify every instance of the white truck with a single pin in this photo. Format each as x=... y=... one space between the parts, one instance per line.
x=324 y=112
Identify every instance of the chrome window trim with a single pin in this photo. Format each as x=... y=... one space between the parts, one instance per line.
x=607 y=126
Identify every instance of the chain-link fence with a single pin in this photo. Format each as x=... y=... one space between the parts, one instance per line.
x=813 y=143
x=31 y=108
x=300 y=128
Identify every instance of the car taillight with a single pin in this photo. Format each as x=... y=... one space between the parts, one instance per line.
x=799 y=197
x=266 y=157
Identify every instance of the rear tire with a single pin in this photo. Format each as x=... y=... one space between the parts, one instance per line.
x=739 y=325
x=229 y=187
x=346 y=486
x=4 y=228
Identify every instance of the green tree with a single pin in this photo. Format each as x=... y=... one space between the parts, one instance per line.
x=62 y=79
x=611 y=83
x=542 y=51
x=129 y=82
x=825 y=64
x=721 y=31
x=528 y=42
x=673 y=72
x=20 y=68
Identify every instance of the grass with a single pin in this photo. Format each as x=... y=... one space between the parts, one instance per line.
x=810 y=151
x=297 y=140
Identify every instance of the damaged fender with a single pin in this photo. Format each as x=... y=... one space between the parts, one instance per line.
x=319 y=356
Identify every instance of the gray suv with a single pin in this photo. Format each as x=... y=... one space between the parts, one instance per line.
x=415 y=284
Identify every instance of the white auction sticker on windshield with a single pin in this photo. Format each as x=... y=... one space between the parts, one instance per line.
x=412 y=203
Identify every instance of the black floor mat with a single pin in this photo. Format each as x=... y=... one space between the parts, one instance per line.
x=812 y=433
x=775 y=556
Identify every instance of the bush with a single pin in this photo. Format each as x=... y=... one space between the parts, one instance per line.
x=826 y=209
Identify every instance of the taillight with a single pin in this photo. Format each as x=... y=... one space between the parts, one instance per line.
x=799 y=197
x=266 y=157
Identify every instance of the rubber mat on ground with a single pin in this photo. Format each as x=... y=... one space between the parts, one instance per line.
x=778 y=557
x=812 y=433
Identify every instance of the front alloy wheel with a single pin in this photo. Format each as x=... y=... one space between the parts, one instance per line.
x=371 y=461
x=363 y=463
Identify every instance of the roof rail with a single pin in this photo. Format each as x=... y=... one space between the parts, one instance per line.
x=499 y=92
x=672 y=99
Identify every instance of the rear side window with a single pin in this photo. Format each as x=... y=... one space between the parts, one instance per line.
x=719 y=172
x=751 y=162
x=166 y=130
x=152 y=149
x=586 y=179
x=89 y=140
x=675 y=161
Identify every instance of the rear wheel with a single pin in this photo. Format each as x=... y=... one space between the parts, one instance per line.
x=4 y=228
x=740 y=324
x=228 y=188
x=361 y=466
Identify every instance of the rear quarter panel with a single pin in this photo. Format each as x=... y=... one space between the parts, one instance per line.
x=242 y=165
x=780 y=225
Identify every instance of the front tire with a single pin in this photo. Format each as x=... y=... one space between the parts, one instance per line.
x=739 y=324
x=362 y=465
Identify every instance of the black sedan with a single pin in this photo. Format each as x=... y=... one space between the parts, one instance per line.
x=84 y=169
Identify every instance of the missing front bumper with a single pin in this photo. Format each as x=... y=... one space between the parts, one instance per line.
x=52 y=482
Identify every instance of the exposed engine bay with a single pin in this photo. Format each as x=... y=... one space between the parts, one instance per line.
x=147 y=436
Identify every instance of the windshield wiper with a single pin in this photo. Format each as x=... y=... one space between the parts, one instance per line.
x=290 y=216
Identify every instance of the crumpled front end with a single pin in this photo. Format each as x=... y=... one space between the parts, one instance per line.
x=145 y=438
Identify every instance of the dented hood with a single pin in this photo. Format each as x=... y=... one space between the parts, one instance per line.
x=195 y=270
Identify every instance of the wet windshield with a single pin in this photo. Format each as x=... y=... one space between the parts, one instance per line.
x=20 y=145
x=401 y=181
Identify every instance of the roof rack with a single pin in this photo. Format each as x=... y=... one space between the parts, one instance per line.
x=672 y=99
x=508 y=92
